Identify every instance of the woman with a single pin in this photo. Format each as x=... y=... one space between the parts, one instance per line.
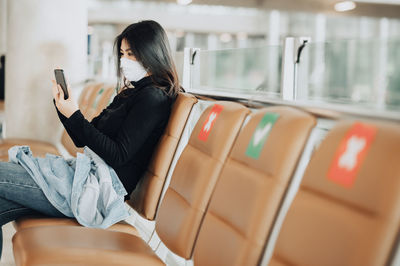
x=124 y=135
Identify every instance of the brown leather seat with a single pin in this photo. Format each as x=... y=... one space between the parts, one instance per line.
x=146 y=196
x=38 y=148
x=251 y=187
x=92 y=99
x=101 y=99
x=181 y=211
x=347 y=210
x=196 y=173
x=96 y=96
x=64 y=245
x=148 y=192
x=37 y=221
x=88 y=96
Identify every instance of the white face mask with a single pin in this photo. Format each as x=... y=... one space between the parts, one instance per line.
x=132 y=70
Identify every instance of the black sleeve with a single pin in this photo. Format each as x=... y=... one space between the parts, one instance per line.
x=60 y=115
x=148 y=110
x=75 y=138
x=97 y=118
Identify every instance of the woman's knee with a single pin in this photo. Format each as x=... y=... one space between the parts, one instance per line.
x=15 y=174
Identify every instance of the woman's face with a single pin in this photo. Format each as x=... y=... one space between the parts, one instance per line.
x=125 y=51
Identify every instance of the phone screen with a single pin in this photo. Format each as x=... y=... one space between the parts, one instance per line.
x=60 y=79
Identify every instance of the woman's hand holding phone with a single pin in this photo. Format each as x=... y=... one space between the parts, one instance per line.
x=66 y=107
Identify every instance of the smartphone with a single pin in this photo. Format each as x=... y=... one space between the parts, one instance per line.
x=60 y=79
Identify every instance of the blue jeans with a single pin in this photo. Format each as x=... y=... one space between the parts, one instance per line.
x=20 y=196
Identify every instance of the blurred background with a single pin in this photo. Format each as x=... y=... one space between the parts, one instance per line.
x=229 y=24
x=351 y=58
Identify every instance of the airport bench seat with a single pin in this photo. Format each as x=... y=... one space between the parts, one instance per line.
x=38 y=148
x=251 y=187
x=41 y=220
x=347 y=209
x=145 y=199
x=64 y=245
x=93 y=99
x=181 y=211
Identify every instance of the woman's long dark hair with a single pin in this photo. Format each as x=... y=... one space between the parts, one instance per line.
x=149 y=44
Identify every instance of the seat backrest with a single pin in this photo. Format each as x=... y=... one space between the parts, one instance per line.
x=146 y=196
x=252 y=184
x=88 y=95
x=86 y=92
x=100 y=101
x=347 y=210
x=195 y=174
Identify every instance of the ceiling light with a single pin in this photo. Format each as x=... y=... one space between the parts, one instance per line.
x=183 y=2
x=345 y=6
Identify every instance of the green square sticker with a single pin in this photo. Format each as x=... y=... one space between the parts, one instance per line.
x=260 y=135
x=96 y=101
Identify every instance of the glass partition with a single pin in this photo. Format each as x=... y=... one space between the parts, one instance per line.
x=363 y=73
x=246 y=71
x=392 y=93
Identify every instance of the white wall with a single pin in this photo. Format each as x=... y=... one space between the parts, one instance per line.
x=192 y=18
x=41 y=35
x=3 y=26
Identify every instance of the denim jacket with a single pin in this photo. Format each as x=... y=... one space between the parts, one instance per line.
x=84 y=187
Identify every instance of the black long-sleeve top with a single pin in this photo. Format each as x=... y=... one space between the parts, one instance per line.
x=125 y=134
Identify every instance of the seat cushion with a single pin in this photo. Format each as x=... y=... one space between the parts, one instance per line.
x=37 y=221
x=39 y=148
x=66 y=245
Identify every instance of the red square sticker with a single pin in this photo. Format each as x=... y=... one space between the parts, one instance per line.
x=351 y=153
x=209 y=123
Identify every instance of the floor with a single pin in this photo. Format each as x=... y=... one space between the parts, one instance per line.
x=8 y=230
x=7 y=258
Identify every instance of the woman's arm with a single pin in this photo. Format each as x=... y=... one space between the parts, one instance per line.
x=75 y=138
x=65 y=108
x=148 y=111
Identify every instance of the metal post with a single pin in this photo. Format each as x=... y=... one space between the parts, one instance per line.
x=292 y=49
x=288 y=58
x=189 y=56
x=186 y=68
x=301 y=74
